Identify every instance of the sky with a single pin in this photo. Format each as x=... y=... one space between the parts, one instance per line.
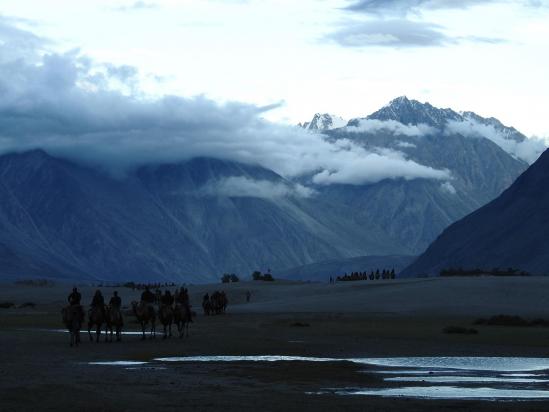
x=121 y=84
x=302 y=57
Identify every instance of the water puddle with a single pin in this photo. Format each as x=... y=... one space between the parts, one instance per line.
x=84 y=330
x=495 y=364
x=462 y=379
x=118 y=363
x=451 y=392
x=259 y=358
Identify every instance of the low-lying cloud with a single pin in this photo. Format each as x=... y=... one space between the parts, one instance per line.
x=74 y=107
x=241 y=186
x=527 y=150
x=392 y=126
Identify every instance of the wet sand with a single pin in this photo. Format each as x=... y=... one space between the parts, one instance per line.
x=39 y=371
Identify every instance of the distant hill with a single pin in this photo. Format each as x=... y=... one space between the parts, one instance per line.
x=509 y=232
x=322 y=271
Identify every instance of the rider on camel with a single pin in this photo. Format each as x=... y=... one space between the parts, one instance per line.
x=147 y=296
x=167 y=299
x=115 y=301
x=98 y=301
x=75 y=297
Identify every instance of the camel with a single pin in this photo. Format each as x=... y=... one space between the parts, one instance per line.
x=114 y=321
x=145 y=313
x=73 y=316
x=182 y=318
x=207 y=307
x=166 y=318
x=96 y=318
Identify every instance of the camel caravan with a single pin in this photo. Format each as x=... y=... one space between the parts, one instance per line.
x=215 y=304
x=172 y=310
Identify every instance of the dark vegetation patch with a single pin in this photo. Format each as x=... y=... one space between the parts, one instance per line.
x=41 y=283
x=27 y=305
x=7 y=305
x=509 y=320
x=483 y=272
x=300 y=325
x=460 y=330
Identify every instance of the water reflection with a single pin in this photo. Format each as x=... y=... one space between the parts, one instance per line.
x=497 y=364
x=118 y=363
x=450 y=392
x=460 y=379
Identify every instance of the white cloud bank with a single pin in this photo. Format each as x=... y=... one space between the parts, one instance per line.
x=76 y=108
x=527 y=150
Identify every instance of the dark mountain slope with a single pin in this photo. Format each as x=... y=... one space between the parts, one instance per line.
x=510 y=231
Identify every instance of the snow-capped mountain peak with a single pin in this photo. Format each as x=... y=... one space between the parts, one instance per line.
x=324 y=121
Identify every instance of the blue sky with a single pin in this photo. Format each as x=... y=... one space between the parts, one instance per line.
x=342 y=57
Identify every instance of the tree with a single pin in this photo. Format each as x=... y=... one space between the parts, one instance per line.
x=234 y=278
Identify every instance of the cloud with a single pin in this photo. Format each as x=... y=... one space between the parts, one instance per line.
x=138 y=5
x=403 y=7
x=391 y=33
x=74 y=107
x=406 y=145
x=240 y=186
x=16 y=43
x=373 y=167
x=392 y=126
x=399 y=33
x=527 y=150
x=448 y=188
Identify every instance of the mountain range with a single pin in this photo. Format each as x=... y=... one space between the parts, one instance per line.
x=183 y=221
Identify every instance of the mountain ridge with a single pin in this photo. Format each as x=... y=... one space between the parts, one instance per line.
x=509 y=231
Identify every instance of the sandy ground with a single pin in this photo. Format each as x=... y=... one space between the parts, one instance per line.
x=39 y=371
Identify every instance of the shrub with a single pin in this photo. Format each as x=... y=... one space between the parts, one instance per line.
x=7 y=305
x=300 y=324
x=27 y=305
x=460 y=330
x=509 y=320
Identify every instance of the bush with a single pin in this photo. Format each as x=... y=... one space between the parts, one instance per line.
x=460 y=330
x=266 y=277
x=7 y=305
x=300 y=324
x=509 y=320
x=27 y=305
x=228 y=278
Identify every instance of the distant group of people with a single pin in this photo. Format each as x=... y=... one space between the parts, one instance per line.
x=172 y=308
x=99 y=314
x=385 y=274
x=216 y=304
x=180 y=296
x=150 y=286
